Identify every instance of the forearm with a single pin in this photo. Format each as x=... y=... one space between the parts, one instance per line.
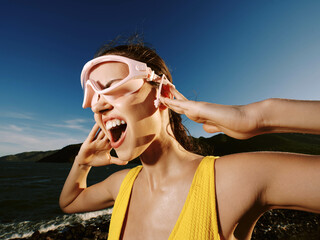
x=76 y=182
x=283 y=115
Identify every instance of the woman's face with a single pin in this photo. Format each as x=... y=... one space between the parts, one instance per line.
x=131 y=122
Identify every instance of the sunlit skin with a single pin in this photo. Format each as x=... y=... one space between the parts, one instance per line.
x=136 y=110
x=247 y=184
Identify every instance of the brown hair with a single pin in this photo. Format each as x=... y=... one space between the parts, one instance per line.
x=139 y=52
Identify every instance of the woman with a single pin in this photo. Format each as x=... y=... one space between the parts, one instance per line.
x=178 y=194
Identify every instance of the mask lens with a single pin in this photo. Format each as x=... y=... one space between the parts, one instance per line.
x=116 y=81
x=128 y=87
x=115 y=73
x=125 y=89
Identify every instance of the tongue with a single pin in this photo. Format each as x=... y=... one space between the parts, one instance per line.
x=117 y=132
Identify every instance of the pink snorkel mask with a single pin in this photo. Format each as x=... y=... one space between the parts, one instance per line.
x=138 y=72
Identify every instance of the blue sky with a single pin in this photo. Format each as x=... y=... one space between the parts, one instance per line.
x=227 y=52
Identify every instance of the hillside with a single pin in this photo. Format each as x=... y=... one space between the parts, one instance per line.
x=27 y=156
x=66 y=154
x=217 y=145
x=222 y=144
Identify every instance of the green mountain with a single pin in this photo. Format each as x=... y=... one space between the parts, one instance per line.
x=222 y=144
x=27 y=156
x=217 y=145
x=66 y=154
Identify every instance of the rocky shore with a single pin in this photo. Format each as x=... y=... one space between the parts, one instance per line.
x=273 y=225
x=287 y=225
x=79 y=232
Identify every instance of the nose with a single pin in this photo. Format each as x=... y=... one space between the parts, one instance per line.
x=100 y=104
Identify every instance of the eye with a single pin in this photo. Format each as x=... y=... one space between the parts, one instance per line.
x=112 y=82
x=104 y=85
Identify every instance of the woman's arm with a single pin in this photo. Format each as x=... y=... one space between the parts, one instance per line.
x=245 y=121
x=75 y=196
x=280 y=179
x=248 y=184
x=292 y=181
x=284 y=115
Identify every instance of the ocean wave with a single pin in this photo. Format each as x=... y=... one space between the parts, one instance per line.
x=16 y=235
x=25 y=229
x=90 y=215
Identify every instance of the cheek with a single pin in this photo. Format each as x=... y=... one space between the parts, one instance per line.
x=140 y=105
x=139 y=137
x=144 y=122
x=146 y=125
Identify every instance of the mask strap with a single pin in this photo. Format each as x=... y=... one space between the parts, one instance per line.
x=164 y=80
x=157 y=101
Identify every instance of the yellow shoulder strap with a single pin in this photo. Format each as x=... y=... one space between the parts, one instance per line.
x=121 y=204
x=198 y=218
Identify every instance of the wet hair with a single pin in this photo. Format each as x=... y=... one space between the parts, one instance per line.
x=140 y=52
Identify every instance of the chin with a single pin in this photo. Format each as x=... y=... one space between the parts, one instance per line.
x=126 y=155
x=134 y=145
x=128 y=152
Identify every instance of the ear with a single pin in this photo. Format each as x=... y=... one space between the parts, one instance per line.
x=165 y=92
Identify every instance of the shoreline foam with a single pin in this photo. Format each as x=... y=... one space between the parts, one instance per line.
x=71 y=226
x=274 y=224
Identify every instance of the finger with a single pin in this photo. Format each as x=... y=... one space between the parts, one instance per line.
x=93 y=132
x=175 y=108
x=214 y=129
x=101 y=161
x=117 y=161
x=182 y=104
x=100 y=135
x=189 y=108
x=211 y=128
x=105 y=137
x=178 y=95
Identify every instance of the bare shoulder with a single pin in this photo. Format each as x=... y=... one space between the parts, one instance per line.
x=247 y=184
x=241 y=174
x=259 y=164
x=241 y=164
x=114 y=181
x=238 y=191
x=254 y=171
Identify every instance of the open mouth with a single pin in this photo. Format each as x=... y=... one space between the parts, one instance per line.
x=117 y=129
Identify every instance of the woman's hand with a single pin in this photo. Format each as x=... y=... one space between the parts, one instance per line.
x=273 y=115
x=240 y=122
x=95 y=150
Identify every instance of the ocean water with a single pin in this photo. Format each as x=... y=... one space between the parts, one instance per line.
x=29 y=197
x=29 y=202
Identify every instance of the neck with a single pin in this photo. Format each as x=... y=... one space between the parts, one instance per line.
x=163 y=159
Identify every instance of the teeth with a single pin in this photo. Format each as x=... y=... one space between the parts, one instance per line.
x=113 y=123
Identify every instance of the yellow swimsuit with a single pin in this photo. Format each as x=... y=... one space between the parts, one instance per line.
x=198 y=218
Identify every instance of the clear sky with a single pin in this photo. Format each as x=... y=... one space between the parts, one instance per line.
x=227 y=52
